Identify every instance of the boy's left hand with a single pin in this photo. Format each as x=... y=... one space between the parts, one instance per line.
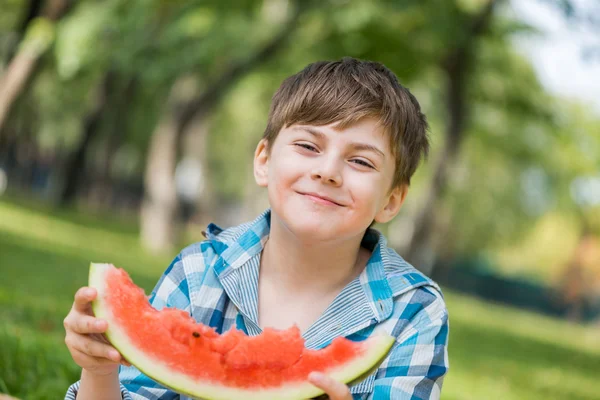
x=334 y=389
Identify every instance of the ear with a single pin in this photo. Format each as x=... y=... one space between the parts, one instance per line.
x=392 y=207
x=261 y=164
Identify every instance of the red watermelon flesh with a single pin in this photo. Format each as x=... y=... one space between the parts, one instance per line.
x=173 y=349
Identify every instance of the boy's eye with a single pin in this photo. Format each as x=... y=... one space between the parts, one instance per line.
x=307 y=146
x=363 y=163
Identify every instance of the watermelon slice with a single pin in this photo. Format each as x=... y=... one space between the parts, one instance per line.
x=193 y=359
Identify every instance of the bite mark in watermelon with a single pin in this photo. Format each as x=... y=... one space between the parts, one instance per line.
x=170 y=347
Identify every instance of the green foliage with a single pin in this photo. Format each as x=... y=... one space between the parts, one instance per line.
x=59 y=107
x=522 y=150
x=522 y=146
x=235 y=131
x=81 y=38
x=39 y=36
x=10 y=16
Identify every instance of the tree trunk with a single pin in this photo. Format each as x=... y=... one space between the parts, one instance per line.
x=121 y=99
x=104 y=193
x=33 y=9
x=202 y=104
x=74 y=167
x=14 y=80
x=22 y=65
x=159 y=207
x=457 y=64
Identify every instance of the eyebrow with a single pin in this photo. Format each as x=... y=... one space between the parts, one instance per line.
x=355 y=145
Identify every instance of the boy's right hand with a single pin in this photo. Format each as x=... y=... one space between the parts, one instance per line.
x=84 y=337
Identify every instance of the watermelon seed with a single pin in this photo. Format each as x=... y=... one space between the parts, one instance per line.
x=195 y=334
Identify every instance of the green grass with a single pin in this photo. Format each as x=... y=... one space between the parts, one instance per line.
x=505 y=354
x=495 y=352
x=44 y=258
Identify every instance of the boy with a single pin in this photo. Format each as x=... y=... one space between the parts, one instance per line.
x=342 y=142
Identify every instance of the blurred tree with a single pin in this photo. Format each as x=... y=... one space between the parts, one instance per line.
x=32 y=9
x=518 y=170
x=505 y=114
x=39 y=34
x=511 y=193
x=434 y=48
x=127 y=81
x=159 y=209
x=75 y=164
x=457 y=64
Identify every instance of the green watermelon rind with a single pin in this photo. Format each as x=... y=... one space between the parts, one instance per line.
x=351 y=372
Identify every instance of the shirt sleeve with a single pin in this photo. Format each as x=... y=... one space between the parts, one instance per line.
x=74 y=388
x=172 y=290
x=418 y=362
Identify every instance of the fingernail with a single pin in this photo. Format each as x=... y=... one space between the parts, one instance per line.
x=98 y=324
x=315 y=376
x=115 y=356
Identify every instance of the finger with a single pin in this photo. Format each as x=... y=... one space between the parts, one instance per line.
x=96 y=349
x=99 y=337
x=83 y=298
x=87 y=324
x=334 y=389
x=89 y=362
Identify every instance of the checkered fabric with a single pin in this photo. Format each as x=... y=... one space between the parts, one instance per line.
x=216 y=281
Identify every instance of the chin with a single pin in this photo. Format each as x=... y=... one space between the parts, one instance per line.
x=308 y=226
x=318 y=228
x=311 y=225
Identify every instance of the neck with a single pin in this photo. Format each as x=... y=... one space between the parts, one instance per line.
x=310 y=267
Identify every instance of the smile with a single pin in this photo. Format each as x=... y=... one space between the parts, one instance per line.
x=321 y=199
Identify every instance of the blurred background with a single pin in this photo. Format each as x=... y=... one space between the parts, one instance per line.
x=127 y=126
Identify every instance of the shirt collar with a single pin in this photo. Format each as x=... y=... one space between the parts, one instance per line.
x=373 y=278
x=239 y=244
x=237 y=267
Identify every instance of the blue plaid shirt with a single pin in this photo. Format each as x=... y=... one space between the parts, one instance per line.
x=216 y=281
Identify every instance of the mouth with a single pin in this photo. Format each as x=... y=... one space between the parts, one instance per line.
x=321 y=199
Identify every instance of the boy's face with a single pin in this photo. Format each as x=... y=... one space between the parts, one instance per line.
x=325 y=183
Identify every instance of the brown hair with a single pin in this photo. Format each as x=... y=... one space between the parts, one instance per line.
x=347 y=91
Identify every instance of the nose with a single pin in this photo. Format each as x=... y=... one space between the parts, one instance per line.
x=328 y=173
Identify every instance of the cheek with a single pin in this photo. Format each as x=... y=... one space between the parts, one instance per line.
x=277 y=179
x=365 y=189
x=285 y=169
x=282 y=176
x=367 y=195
